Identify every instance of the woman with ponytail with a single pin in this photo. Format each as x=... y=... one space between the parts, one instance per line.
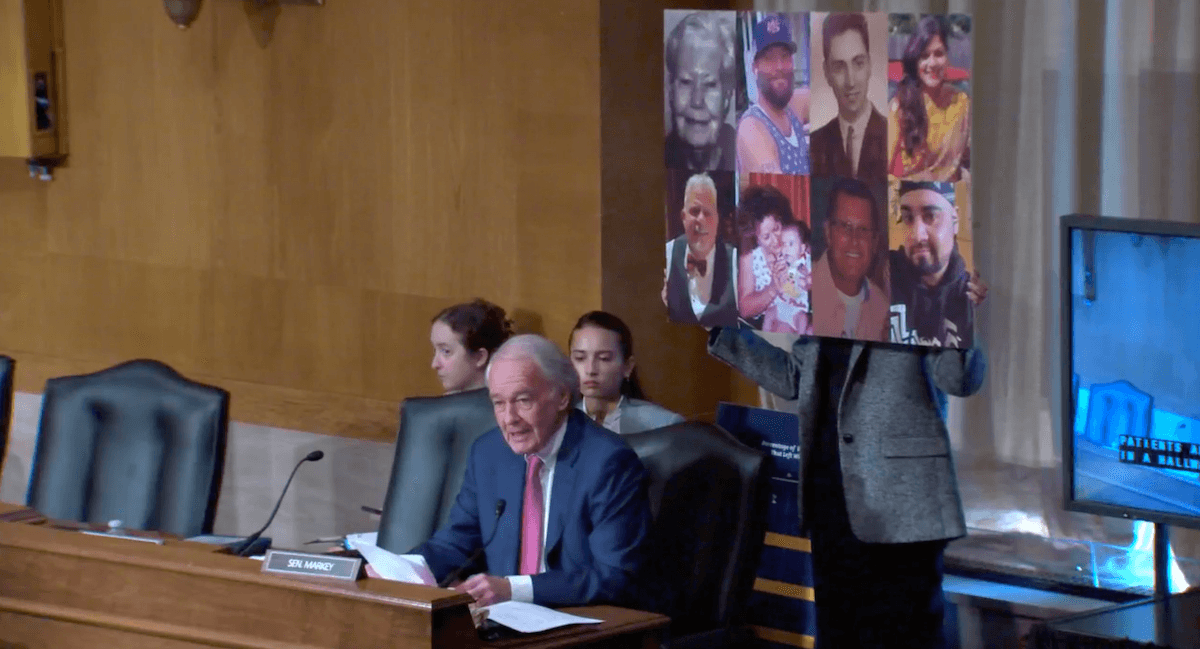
x=601 y=347
x=929 y=122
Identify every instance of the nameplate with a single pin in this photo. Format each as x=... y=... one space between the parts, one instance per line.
x=303 y=564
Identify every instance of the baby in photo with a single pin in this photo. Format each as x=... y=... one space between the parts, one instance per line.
x=788 y=313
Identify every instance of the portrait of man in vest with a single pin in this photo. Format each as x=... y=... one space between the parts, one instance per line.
x=700 y=278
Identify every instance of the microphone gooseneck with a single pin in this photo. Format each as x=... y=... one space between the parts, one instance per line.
x=241 y=548
x=457 y=573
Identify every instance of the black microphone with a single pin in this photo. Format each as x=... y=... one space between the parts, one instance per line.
x=457 y=574
x=240 y=548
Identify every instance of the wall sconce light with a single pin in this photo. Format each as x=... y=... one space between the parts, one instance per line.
x=182 y=12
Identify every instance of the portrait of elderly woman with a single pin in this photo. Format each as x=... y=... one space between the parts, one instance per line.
x=700 y=54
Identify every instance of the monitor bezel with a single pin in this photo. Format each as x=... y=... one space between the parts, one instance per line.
x=1068 y=223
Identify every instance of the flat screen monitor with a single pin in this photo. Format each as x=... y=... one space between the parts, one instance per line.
x=1131 y=368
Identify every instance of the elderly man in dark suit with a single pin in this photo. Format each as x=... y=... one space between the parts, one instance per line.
x=877 y=483
x=854 y=143
x=556 y=504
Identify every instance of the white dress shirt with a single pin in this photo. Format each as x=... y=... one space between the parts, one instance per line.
x=522 y=585
x=853 y=305
x=699 y=286
x=860 y=126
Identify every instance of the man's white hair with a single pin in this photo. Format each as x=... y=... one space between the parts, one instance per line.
x=549 y=359
x=697 y=182
x=705 y=25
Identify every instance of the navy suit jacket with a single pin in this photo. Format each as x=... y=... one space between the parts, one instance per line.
x=598 y=521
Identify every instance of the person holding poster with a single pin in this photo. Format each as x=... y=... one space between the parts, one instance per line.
x=877 y=488
x=700 y=279
x=772 y=136
x=929 y=122
x=933 y=292
x=853 y=143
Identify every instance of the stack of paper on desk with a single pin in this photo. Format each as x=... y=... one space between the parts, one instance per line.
x=408 y=568
x=532 y=618
x=412 y=569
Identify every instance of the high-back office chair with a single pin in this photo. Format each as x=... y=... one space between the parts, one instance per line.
x=7 y=365
x=1116 y=409
x=137 y=443
x=432 y=448
x=708 y=495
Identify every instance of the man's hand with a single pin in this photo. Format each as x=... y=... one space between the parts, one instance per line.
x=486 y=589
x=977 y=289
x=664 y=291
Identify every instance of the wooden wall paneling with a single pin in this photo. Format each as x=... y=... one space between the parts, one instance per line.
x=283 y=219
x=556 y=121
x=14 y=107
x=113 y=310
x=140 y=182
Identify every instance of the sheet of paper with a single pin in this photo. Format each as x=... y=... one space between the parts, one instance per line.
x=531 y=618
x=408 y=568
x=371 y=538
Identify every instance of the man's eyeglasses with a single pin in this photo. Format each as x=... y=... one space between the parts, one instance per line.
x=848 y=231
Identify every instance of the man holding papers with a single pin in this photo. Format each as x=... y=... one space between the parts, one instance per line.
x=555 y=505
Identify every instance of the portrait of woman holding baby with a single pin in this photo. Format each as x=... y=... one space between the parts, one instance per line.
x=774 y=264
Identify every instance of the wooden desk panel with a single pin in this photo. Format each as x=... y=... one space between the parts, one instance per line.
x=63 y=589
x=184 y=595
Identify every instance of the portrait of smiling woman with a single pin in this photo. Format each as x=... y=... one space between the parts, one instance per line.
x=929 y=119
x=464 y=337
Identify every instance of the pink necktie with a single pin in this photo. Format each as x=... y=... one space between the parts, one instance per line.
x=531 y=519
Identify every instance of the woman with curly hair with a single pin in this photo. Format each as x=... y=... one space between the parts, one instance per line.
x=464 y=337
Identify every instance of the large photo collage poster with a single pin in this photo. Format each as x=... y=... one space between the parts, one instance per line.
x=818 y=174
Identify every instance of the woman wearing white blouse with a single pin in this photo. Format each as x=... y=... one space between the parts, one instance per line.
x=602 y=350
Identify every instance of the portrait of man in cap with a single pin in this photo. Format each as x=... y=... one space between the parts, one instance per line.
x=772 y=135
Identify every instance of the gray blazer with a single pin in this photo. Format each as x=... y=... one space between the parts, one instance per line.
x=638 y=416
x=894 y=447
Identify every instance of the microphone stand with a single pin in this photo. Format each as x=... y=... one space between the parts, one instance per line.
x=241 y=547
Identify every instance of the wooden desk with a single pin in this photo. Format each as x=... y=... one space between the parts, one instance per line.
x=63 y=589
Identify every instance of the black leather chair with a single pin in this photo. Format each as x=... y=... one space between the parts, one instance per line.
x=7 y=365
x=432 y=447
x=136 y=442
x=708 y=495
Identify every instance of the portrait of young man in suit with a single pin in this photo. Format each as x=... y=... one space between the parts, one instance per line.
x=557 y=504
x=853 y=144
